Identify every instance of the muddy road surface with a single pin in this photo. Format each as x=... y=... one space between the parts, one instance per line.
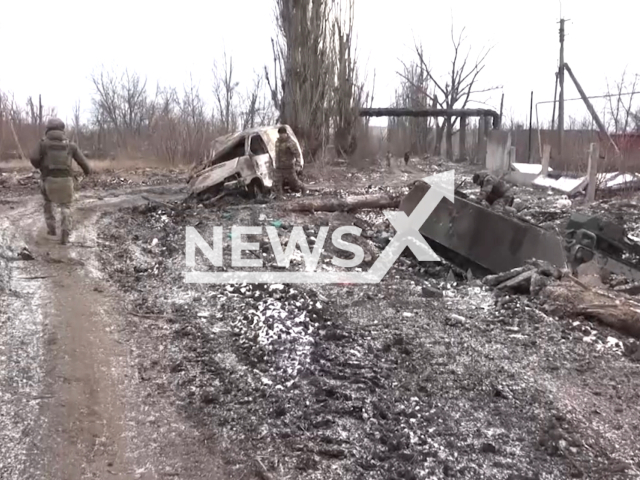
x=71 y=404
x=112 y=367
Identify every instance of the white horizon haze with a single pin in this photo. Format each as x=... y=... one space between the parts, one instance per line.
x=52 y=49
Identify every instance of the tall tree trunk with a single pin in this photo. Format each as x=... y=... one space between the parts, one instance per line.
x=437 y=148
x=449 y=128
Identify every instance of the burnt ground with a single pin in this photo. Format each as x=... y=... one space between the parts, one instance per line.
x=425 y=375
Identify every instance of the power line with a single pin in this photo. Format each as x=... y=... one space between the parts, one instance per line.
x=609 y=95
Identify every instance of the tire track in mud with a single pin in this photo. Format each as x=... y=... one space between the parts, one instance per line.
x=71 y=403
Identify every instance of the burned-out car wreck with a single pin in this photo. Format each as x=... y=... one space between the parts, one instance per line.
x=242 y=160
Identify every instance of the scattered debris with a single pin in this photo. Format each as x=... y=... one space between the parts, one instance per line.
x=347 y=204
x=25 y=254
x=568 y=296
x=568 y=185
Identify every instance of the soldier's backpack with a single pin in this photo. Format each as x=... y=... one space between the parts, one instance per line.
x=57 y=156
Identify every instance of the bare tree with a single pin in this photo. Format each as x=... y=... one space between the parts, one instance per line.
x=20 y=125
x=349 y=94
x=303 y=73
x=620 y=109
x=412 y=133
x=76 y=122
x=580 y=123
x=252 y=103
x=165 y=126
x=35 y=113
x=195 y=124
x=314 y=81
x=225 y=88
x=455 y=89
x=121 y=103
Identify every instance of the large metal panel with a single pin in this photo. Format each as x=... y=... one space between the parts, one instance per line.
x=494 y=241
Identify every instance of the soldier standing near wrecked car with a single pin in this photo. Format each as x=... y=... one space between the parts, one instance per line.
x=492 y=189
x=287 y=156
x=53 y=157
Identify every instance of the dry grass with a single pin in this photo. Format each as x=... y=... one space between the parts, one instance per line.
x=103 y=165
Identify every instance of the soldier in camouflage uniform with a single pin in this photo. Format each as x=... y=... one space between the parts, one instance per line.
x=53 y=157
x=492 y=189
x=287 y=157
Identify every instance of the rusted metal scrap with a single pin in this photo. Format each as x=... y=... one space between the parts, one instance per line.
x=491 y=240
x=593 y=239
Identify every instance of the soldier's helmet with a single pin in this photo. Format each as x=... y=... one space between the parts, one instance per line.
x=282 y=130
x=54 y=124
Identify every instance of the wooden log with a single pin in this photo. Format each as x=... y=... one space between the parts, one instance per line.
x=614 y=310
x=327 y=204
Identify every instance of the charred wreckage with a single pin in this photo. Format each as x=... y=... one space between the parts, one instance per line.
x=495 y=245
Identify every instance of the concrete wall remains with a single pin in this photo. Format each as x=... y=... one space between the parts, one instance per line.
x=498 y=151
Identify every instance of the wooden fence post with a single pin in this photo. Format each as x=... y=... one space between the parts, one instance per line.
x=592 y=171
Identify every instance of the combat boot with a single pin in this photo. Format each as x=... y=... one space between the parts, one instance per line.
x=64 y=237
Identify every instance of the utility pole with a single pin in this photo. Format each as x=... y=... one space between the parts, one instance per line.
x=561 y=83
x=530 y=127
x=555 y=99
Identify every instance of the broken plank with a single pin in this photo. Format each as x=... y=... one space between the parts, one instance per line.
x=495 y=280
x=522 y=281
x=324 y=204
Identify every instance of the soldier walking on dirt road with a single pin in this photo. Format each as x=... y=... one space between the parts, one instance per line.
x=53 y=157
x=287 y=156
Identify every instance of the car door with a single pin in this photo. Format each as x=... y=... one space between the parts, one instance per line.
x=259 y=154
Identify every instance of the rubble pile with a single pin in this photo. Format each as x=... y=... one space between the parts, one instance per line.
x=429 y=374
x=532 y=278
x=566 y=296
x=14 y=182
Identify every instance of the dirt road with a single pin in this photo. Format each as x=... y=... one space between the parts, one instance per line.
x=72 y=405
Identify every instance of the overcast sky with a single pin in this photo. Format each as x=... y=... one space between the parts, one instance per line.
x=52 y=48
